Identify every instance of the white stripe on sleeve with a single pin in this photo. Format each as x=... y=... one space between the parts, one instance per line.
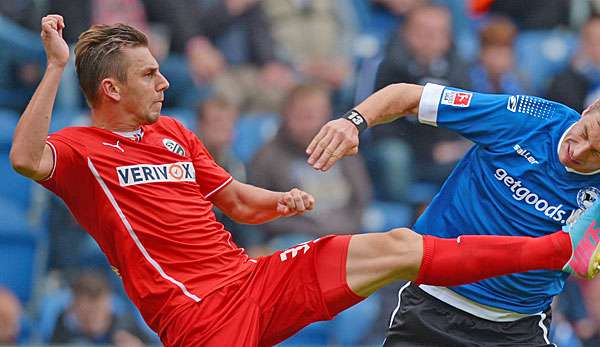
x=430 y=100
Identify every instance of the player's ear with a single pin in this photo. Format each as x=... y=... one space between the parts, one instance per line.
x=111 y=89
x=595 y=106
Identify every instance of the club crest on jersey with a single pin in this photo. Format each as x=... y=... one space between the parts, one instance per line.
x=587 y=196
x=174 y=147
x=454 y=98
x=148 y=173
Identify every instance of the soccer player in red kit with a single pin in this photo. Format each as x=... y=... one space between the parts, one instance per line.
x=143 y=186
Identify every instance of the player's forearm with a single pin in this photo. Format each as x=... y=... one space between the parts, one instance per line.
x=32 y=130
x=255 y=205
x=391 y=103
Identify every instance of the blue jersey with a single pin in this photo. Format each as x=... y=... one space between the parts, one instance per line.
x=510 y=183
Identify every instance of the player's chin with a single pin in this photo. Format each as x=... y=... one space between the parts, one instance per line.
x=152 y=116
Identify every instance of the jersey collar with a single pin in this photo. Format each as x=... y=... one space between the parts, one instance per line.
x=135 y=135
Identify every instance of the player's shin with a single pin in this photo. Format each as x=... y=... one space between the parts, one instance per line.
x=470 y=258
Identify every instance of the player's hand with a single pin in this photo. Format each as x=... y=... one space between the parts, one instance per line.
x=57 y=50
x=336 y=139
x=295 y=202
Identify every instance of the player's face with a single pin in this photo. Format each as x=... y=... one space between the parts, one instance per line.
x=580 y=149
x=143 y=92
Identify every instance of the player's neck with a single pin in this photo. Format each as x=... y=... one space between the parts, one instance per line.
x=114 y=120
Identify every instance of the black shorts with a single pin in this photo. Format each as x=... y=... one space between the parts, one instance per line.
x=424 y=321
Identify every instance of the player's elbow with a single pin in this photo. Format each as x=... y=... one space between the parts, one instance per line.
x=22 y=163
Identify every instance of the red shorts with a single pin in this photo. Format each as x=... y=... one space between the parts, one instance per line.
x=285 y=292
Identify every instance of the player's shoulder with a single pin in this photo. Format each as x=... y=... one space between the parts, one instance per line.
x=77 y=134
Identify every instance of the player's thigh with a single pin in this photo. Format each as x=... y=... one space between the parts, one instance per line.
x=301 y=285
x=377 y=259
x=223 y=318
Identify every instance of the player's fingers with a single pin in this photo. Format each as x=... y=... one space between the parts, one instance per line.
x=289 y=201
x=331 y=153
x=319 y=150
x=61 y=22
x=314 y=144
x=298 y=201
x=309 y=201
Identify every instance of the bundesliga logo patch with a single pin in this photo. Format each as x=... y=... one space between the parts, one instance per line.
x=454 y=98
x=147 y=173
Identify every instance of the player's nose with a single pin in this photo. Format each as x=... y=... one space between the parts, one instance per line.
x=163 y=84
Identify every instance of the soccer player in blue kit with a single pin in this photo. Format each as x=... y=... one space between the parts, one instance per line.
x=534 y=165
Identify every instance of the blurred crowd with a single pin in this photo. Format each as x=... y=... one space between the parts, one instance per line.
x=256 y=79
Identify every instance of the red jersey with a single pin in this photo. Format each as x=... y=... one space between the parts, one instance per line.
x=147 y=205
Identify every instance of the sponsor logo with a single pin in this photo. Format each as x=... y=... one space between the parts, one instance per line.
x=522 y=193
x=512 y=103
x=117 y=146
x=525 y=154
x=587 y=196
x=147 y=173
x=454 y=98
x=173 y=147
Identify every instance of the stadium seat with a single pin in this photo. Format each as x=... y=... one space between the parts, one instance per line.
x=13 y=218
x=22 y=259
x=14 y=188
x=8 y=122
x=542 y=54
x=65 y=117
x=383 y=216
x=252 y=131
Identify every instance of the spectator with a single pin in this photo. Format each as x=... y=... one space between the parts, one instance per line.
x=234 y=51
x=10 y=317
x=533 y=14
x=496 y=71
x=421 y=52
x=592 y=296
x=216 y=127
x=21 y=55
x=90 y=318
x=342 y=193
x=315 y=37
x=571 y=310
x=579 y=85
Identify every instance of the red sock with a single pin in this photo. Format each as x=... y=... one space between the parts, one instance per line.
x=470 y=258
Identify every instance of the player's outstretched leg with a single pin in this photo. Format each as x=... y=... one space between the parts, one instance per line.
x=585 y=241
x=375 y=260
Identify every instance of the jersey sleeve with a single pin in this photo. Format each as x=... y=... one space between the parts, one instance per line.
x=486 y=119
x=209 y=175
x=66 y=162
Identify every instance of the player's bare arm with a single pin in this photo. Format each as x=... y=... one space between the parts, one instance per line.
x=30 y=155
x=249 y=204
x=339 y=138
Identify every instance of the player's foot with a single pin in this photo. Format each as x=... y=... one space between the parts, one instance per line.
x=585 y=239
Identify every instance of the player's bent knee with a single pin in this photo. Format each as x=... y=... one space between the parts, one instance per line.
x=378 y=259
